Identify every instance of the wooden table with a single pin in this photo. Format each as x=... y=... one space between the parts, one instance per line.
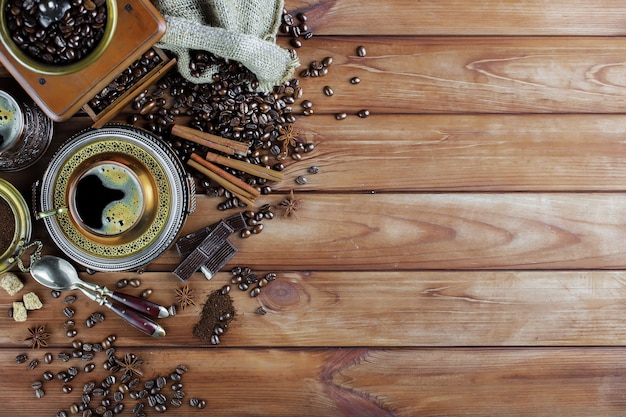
x=460 y=252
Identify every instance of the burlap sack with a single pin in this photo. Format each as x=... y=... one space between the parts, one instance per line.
x=238 y=30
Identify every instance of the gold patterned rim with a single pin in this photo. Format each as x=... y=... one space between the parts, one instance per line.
x=155 y=188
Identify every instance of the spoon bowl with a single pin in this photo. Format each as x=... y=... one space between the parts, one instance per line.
x=56 y=273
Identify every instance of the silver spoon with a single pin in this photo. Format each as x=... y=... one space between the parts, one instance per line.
x=58 y=274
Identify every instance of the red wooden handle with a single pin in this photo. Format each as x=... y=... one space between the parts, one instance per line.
x=143 y=306
x=137 y=320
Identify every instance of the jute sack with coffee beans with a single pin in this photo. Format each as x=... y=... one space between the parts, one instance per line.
x=238 y=30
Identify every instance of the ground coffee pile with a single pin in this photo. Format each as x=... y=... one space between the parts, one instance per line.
x=7 y=225
x=217 y=313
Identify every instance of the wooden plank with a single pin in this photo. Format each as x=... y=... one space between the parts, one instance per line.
x=442 y=153
x=469 y=74
x=461 y=17
x=360 y=382
x=462 y=153
x=433 y=231
x=375 y=309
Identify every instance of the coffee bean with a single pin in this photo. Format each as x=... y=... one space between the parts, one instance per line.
x=55 y=293
x=363 y=113
x=355 y=80
x=341 y=116
x=70 y=299
x=296 y=43
x=260 y=311
x=146 y=293
x=361 y=51
x=10 y=312
x=68 y=312
x=122 y=283
x=36 y=385
x=135 y=282
x=71 y=333
x=47 y=358
x=328 y=91
x=33 y=364
x=21 y=358
x=67 y=389
x=89 y=367
x=39 y=393
x=48 y=376
x=301 y=180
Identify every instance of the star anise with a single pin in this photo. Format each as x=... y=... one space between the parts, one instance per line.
x=128 y=365
x=288 y=137
x=185 y=297
x=290 y=205
x=37 y=337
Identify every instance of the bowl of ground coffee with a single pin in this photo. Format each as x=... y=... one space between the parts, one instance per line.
x=57 y=36
x=16 y=225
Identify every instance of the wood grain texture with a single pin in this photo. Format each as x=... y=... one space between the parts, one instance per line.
x=369 y=382
x=469 y=74
x=459 y=17
x=463 y=153
x=460 y=253
x=352 y=309
x=361 y=232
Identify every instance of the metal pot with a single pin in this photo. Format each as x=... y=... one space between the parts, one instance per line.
x=49 y=69
x=120 y=197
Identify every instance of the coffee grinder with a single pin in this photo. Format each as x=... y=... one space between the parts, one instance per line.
x=132 y=28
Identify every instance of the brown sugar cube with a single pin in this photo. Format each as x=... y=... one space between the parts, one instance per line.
x=19 y=311
x=31 y=301
x=11 y=283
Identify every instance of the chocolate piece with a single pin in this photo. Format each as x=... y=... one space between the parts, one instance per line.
x=203 y=254
x=218 y=260
x=186 y=244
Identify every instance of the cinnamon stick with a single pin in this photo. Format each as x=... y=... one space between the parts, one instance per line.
x=243 y=191
x=228 y=146
x=253 y=169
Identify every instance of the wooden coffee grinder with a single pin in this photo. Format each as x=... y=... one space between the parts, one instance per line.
x=132 y=28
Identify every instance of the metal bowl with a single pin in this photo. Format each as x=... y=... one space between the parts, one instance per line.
x=123 y=197
x=49 y=69
x=23 y=225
